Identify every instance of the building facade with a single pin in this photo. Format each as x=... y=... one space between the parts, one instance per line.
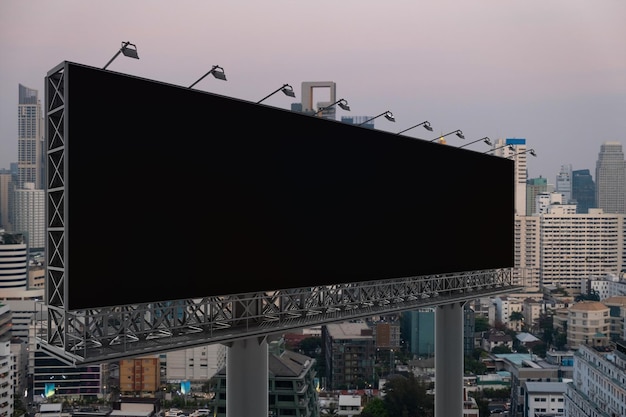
x=564 y=183
x=534 y=186
x=598 y=387
x=13 y=262
x=611 y=178
x=30 y=139
x=7 y=364
x=350 y=351
x=29 y=214
x=292 y=385
x=583 y=190
x=564 y=249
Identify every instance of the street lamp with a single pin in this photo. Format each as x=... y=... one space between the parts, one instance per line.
x=286 y=88
x=457 y=132
x=217 y=71
x=530 y=151
x=341 y=103
x=426 y=125
x=511 y=148
x=126 y=50
x=485 y=139
x=388 y=115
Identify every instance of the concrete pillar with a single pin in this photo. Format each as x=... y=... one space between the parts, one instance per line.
x=449 y=360
x=247 y=385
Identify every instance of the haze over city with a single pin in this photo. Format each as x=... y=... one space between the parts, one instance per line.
x=551 y=72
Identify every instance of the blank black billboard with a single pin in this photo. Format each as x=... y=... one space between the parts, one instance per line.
x=174 y=193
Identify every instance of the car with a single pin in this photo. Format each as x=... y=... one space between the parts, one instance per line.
x=174 y=412
x=200 y=412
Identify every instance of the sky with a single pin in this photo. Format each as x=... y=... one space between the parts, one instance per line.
x=550 y=71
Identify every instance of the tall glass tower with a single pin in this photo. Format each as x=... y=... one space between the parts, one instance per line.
x=30 y=155
x=611 y=178
x=583 y=190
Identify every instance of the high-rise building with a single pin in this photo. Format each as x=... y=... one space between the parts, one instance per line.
x=13 y=262
x=418 y=330
x=349 y=350
x=51 y=376
x=564 y=183
x=7 y=363
x=565 y=249
x=6 y=182
x=611 y=178
x=30 y=158
x=29 y=211
x=515 y=148
x=598 y=387
x=534 y=186
x=583 y=190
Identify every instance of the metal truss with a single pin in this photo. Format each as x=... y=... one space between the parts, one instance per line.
x=113 y=333
x=108 y=334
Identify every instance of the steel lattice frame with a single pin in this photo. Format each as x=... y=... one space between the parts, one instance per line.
x=113 y=333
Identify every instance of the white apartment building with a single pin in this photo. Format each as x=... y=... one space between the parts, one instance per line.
x=598 y=387
x=560 y=250
x=6 y=363
x=197 y=364
x=13 y=261
x=605 y=287
x=29 y=215
x=505 y=306
x=543 y=399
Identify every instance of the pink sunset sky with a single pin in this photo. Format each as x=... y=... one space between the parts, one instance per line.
x=553 y=72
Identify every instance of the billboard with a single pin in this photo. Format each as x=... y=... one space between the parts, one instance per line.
x=172 y=193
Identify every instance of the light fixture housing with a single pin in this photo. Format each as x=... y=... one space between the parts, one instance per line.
x=285 y=88
x=216 y=70
x=425 y=124
x=343 y=103
x=388 y=115
x=128 y=49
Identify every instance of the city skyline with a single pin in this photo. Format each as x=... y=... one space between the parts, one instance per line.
x=552 y=73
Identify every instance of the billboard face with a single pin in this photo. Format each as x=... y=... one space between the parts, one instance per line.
x=172 y=193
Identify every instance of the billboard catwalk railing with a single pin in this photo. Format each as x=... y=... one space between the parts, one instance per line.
x=108 y=334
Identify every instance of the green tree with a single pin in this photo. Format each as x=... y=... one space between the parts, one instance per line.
x=501 y=349
x=481 y=324
x=408 y=397
x=374 y=408
x=474 y=366
x=540 y=349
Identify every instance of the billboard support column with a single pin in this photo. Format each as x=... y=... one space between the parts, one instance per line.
x=247 y=378
x=449 y=360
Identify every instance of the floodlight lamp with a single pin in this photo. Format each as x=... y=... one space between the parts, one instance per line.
x=128 y=51
x=485 y=139
x=288 y=90
x=456 y=132
x=425 y=124
x=217 y=71
x=343 y=103
x=388 y=115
